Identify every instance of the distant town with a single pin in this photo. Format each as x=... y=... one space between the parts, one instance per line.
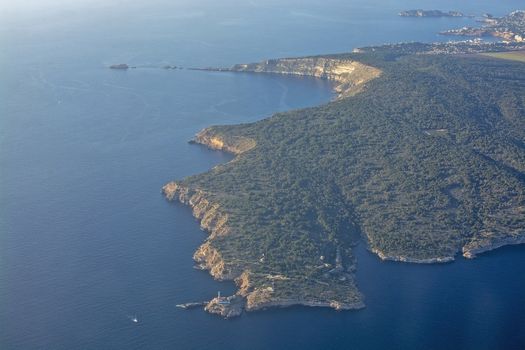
x=431 y=13
x=510 y=28
x=471 y=46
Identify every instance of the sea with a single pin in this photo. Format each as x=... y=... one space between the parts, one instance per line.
x=88 y=244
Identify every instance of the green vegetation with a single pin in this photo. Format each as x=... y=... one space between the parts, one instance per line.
x=429 y=157
x=514 y=56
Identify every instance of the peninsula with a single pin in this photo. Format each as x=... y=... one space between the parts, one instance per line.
x=421 y=156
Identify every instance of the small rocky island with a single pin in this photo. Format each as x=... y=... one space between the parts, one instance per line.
x=119 y=66
x=421 y=157
x=430 y=13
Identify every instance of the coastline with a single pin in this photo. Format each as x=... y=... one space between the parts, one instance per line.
x=350 y=78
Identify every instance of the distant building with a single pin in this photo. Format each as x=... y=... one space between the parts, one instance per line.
x=222 y=300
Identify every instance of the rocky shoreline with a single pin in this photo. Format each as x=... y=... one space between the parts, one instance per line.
x=469 y=251
x=235 y=305
x=472 y=249
x=405 y=259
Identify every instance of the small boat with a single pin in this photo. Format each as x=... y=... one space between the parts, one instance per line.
x=134 y=319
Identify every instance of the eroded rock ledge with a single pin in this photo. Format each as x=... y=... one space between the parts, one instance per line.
x=349 y=76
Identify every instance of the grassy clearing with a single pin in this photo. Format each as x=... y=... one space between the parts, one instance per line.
x=513 y=55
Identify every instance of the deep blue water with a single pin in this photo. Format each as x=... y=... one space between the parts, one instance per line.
x=86 y=239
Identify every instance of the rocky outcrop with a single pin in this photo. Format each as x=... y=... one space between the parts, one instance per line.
x=478 y=246
x=349 y=76
x=233 y=144
x=226 y=307
x=209 y=258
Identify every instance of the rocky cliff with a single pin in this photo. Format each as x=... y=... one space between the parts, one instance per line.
x=215 y=140
x=211 y=219
x=349 y=76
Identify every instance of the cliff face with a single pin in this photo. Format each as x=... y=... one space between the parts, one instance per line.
x=349 y=76
x=211 y=219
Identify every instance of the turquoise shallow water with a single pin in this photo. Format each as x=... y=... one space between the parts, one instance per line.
x=87 y=242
